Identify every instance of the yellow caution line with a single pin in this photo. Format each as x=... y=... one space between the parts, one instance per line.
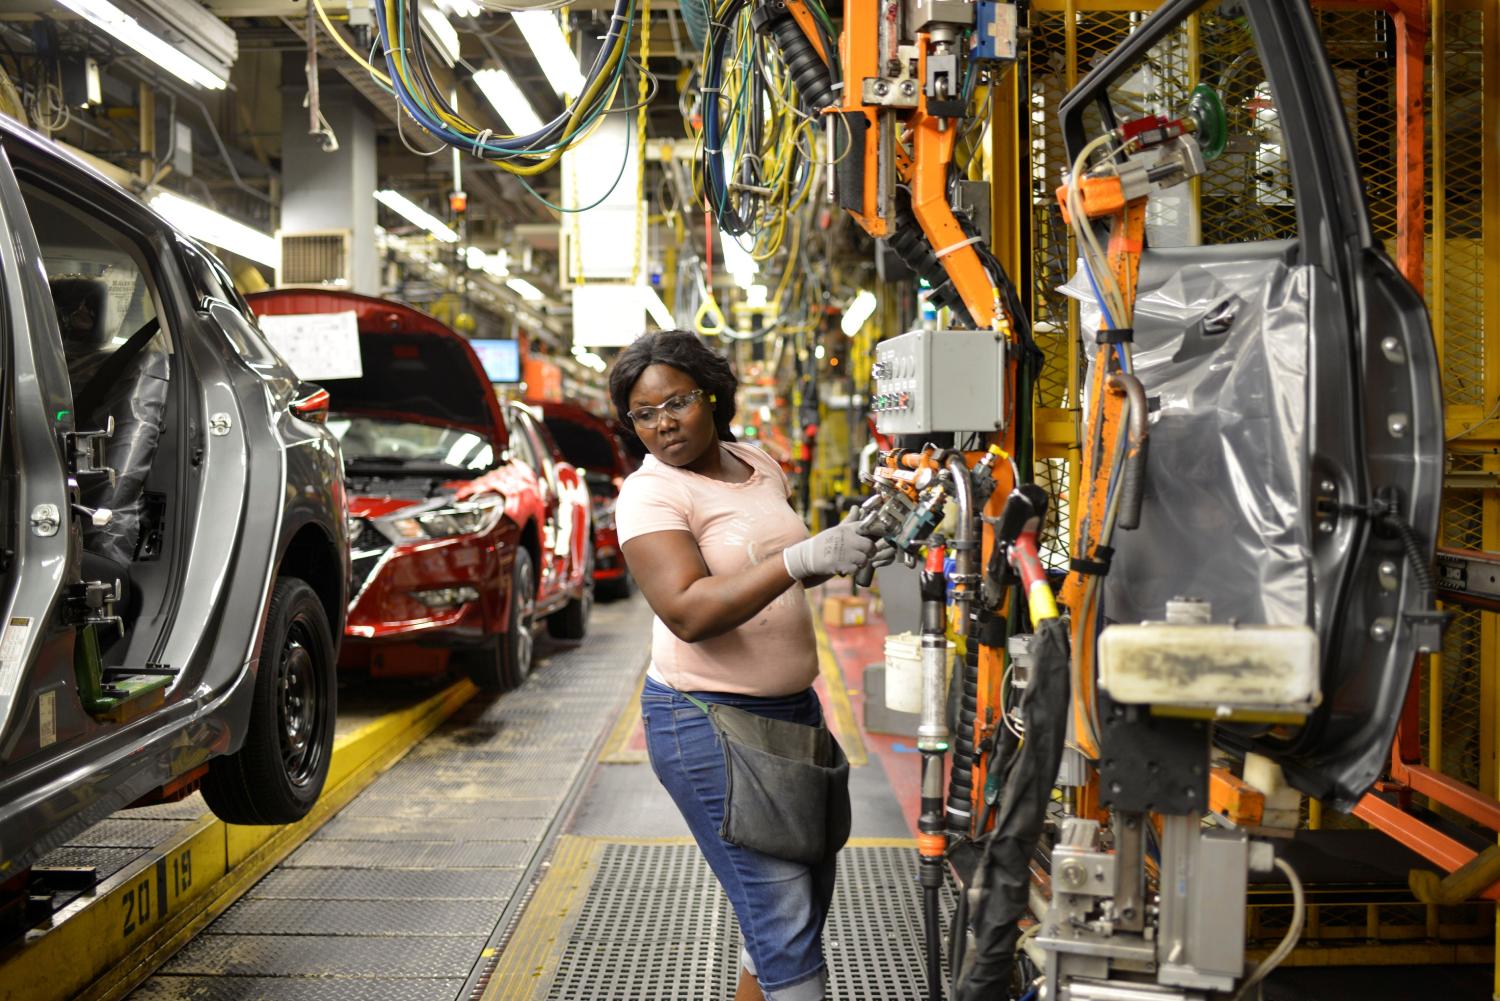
x=536 y=946
x=101 y=947
x=615 y=752
x=843 y=710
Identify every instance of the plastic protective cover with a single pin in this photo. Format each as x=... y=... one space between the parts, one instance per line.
x=138 y=402
x=1221 y=347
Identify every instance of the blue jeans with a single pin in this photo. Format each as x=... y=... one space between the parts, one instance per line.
x=781 y=906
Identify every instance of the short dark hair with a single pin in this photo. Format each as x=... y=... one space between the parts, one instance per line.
x=686 y=352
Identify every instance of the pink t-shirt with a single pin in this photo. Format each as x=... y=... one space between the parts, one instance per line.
x=736 y=525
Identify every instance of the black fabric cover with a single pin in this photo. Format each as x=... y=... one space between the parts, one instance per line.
x=787 y=786
x=138 y=403
x=1004 y=864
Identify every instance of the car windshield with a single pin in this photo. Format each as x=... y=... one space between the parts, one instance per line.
x=382 y=441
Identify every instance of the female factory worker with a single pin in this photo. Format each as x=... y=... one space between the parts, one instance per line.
x=710 y=537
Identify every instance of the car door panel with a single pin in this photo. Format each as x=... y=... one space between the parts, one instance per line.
x=42 y=561
x=1363 y=468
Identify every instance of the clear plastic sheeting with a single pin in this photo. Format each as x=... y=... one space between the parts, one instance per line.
x=138 y=402
x=1221 y=346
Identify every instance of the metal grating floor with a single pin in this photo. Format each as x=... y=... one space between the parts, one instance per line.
x=397 y=896
x=656 y=927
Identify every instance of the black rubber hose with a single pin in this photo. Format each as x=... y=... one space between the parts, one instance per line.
x=910 y=244
x=934 y=935
x=809 y=72
x=961 y=777
x=1416 y=555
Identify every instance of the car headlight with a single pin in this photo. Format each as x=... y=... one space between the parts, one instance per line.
x=466 y=517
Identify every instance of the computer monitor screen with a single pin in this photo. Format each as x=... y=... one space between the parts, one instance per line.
x=501 y=359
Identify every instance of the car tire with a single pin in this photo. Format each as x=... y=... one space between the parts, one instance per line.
x=506 y=661
x=617 y=589
x=572 y=621
x=278 y=773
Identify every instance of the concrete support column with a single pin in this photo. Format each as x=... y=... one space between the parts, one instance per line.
x=323 y=191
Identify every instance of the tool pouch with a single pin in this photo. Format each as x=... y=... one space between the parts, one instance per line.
x=787 y=786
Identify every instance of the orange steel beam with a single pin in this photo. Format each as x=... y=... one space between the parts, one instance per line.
x=1411 y=20
x=1448 y=791
x=1234 y=798
x=1422 y=838
x=859 y=54
x=932 y=154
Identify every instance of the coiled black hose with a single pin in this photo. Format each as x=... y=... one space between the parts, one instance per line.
x=961 y=777
x=910 y=244
x=1415 y=555
x=809 y=72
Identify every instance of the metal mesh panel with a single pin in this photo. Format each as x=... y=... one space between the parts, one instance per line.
x=1462 y=525
x=314 y=258
x=655 y=925
x=1463 y=275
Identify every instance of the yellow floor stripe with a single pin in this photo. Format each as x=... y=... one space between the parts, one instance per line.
x=101 y=947
x=844 y=724
x=615 y=751
x=541 y=936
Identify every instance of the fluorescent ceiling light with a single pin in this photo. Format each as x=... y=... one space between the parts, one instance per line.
x=412 y=212
x=495 y=265
x=216 y=228
x=545 y=36
x=858 y=312
x=657 y=310
x=163 y=53
x=442 y=32
x=525 y=289
x=508 y=101
x=738 y=262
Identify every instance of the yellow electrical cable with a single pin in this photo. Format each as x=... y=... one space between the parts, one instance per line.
x=348 y=49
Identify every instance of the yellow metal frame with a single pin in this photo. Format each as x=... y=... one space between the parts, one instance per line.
x=102 y=946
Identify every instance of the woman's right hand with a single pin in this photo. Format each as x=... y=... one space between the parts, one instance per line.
x=839 y=550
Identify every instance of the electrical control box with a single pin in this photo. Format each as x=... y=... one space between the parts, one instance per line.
x=930 y=381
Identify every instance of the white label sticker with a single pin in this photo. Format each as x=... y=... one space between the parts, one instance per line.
x=46 y=710
x=316 y=345
x=13 y=645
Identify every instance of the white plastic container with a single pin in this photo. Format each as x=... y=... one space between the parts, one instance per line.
x=903 y=672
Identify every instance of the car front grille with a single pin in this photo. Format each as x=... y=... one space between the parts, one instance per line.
x=366 y=548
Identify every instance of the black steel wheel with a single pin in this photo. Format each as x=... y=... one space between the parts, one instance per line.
x=505 y=661
x=277 y=774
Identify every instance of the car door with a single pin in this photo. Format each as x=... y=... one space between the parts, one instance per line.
x=40 y=550
x=1296 y=434
x=529 y=445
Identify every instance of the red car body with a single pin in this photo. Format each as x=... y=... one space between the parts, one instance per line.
x=599 y=447
x=434 y=541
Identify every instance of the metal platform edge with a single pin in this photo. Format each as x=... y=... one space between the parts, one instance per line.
x=102 y=946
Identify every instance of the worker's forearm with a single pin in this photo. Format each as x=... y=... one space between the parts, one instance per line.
x=712 y=606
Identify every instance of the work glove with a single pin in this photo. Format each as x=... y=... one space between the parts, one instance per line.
x=884 y=554
x=838 y=550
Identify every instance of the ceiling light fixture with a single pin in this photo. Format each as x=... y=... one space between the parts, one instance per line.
x=442 y=32
x=414 y=213
x=525 y=289
x=508 y=101
x=858 y=312
x=163 y=53
x=215 y=228
x=550 y=47
x=461 y=8
x=737 y=261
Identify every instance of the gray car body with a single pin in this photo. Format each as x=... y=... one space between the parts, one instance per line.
x=264 y=498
